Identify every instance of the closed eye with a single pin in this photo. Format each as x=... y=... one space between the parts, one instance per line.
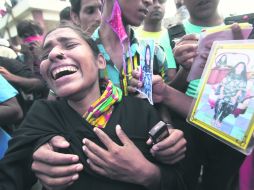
x=70 y=45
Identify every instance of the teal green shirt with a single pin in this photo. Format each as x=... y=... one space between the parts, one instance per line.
x=193 y=29
x=119 y=78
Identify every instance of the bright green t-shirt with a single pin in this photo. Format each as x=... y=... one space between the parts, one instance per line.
x=161 y=38
x=193 y=29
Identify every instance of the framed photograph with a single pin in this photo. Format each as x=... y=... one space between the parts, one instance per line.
x=224 y=106
x=146 y=49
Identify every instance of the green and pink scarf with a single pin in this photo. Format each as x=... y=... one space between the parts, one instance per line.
x=100 y=111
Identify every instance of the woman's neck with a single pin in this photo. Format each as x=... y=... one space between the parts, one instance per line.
x=82 y=101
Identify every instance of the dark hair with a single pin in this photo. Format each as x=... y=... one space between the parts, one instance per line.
x=75 y=6
x=243 y=73
x=92 y=44
x=65 y=14
x=28 y=28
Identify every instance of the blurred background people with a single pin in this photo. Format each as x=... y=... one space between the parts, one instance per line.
x=86 y=14
x=153 y=29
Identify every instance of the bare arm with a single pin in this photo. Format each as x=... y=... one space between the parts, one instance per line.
x=10 y=111
x=26 y=84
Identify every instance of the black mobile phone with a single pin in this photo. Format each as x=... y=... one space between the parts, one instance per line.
x=175 y=32
x=240 y=19
x=159 y=132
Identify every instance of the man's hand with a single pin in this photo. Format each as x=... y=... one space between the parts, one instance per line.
x=158 y=86
x=125 y=163
x=55 y=170
x=171 y=149
x=186 y=50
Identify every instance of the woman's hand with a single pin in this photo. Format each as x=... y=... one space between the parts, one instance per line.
x=125 y=163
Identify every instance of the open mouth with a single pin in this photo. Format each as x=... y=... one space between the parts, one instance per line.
x=63 y=71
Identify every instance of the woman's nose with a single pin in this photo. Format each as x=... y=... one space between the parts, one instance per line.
x=56 y=54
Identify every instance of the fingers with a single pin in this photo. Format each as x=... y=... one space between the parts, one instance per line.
x=94 y=148
x=171 y=149
x=97 y=168
x=149 y=141
x=174 y=137
x=236 y=31
x=185 y=52
x=179 y=50
x=93 y=159
x=187 y=38
x=46 y=154
x=122 y=136
x=175 y=160
x=56 y=183
x=134 y=82
x=104 y=138
x=59 y=142
x=57 y=171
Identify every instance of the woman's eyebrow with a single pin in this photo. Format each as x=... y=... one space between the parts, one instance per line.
x=60 y=39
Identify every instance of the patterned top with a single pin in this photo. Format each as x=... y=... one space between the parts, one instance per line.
x=118 y=77
x=232 y=85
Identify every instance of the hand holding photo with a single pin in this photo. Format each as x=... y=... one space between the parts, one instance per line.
x=225 y=103
x=146 y=49
x=209 y=36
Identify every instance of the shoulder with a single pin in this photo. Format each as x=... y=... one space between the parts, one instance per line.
x=46 y=107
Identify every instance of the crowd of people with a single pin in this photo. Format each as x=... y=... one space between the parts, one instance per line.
x=70 y=107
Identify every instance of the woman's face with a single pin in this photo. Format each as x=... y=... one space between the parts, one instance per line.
x=134 y=11
x=68 y=64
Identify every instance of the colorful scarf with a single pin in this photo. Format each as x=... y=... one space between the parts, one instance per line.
x=100 y=111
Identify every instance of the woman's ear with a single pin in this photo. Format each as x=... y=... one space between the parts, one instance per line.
x=101 y=62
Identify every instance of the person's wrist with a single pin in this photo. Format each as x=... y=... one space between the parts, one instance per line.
x=150 y=176
x=165 y=92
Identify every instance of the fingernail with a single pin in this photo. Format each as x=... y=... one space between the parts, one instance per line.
x=64 y=143
x=88 y=161
x=84 y=141
x=84 y=148
x=75 y=158
x=155 y=148
x=95 y=129
x=75 y=177
x=118 y=127
x=79 y=167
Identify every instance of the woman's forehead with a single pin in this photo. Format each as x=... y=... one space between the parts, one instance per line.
x=61 y=32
